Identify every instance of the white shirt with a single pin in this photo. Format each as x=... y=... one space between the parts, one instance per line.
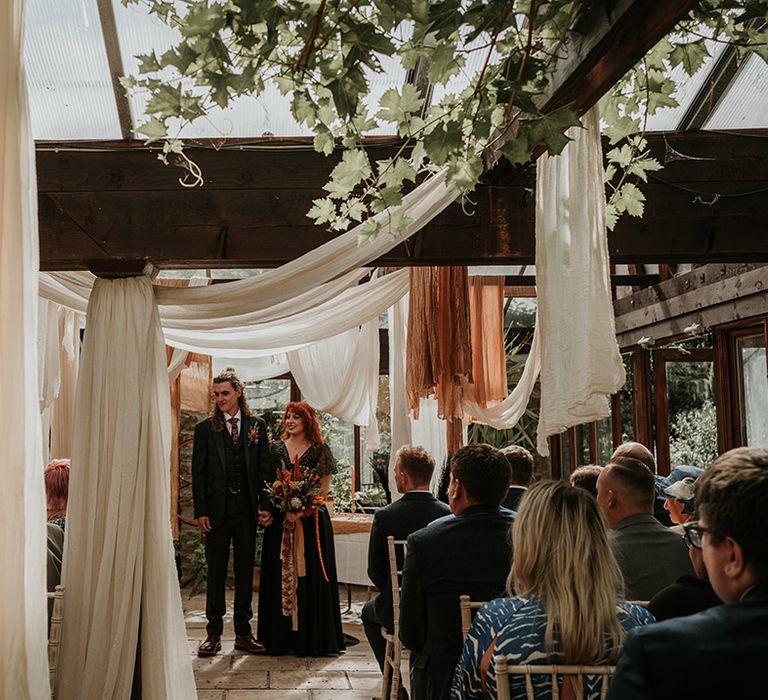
x=229 y=425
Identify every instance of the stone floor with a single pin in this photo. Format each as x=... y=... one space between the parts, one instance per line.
x=234 y=675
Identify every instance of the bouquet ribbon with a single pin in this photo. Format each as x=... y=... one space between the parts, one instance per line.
x=292 y=557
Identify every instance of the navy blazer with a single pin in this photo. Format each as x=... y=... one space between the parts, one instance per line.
x=718 y=653
x=415 y=510
x=468 y=554
x=209 y=477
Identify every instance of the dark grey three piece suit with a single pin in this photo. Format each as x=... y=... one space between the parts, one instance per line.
x=227 y=486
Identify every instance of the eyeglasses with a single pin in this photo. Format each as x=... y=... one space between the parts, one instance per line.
x=693 y=534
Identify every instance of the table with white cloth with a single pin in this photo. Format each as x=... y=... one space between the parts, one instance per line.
x=351 y=533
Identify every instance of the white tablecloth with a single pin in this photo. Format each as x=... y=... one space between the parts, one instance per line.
x=352 y=558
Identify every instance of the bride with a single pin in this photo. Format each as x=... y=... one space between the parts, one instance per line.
x=318 y=631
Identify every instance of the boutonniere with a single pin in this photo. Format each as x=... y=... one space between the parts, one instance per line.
x=253 y=434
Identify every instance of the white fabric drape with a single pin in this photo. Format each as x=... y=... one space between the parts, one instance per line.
x=580 y=359
x=23 y=658
x=119 y=560
x=324 y=312
x=340 y=375
x=252 y=369
x=63 y=408
x=429 y=431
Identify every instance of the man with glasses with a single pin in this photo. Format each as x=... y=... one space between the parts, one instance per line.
x=721 y=652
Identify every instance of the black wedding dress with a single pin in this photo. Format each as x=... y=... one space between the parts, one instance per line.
x=320 y=631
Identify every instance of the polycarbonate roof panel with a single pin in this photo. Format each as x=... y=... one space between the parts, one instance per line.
x=668 y=118
x=68 y=81
x=745 y=103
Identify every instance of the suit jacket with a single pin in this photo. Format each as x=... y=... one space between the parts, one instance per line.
x=651 y=556
x=209 y=476
x=717 y=653
x=412 y=512
x=469 y=554
x=512 y=499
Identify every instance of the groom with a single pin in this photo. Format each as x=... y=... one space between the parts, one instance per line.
x=230 y=462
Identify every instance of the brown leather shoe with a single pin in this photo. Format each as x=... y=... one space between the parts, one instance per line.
x=247 y=643
x=211 y=646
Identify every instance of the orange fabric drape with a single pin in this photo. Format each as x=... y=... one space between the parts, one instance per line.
x=489 y=361
x=439 y=355
x=196 y=383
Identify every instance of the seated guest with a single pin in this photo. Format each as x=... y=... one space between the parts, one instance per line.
x=721 y=652
x=56 y=477
x=416 y=509
x=650 y=555
x=565 y=587
x=586 y=478
x=687 y=595
x=676 y=492
x=466 y=554
x=638 y=451
x=521 y=462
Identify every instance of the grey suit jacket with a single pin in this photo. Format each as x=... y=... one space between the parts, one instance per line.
x=650 y=555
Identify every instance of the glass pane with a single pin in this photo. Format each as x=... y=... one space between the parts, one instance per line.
x=604 y=440
x=626 y=393
x=582 y=452
x=268 y=399
x=692 y=418
x=565 y=453
x=754 y=390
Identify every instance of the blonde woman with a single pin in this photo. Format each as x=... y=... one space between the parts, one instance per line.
x=564 y=590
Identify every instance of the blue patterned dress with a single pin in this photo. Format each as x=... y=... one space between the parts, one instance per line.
x=518 y=625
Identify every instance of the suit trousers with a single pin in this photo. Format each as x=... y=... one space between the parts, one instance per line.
x=372 y=626
x=239 y=529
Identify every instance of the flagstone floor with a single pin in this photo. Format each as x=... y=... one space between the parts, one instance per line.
x=234 y=675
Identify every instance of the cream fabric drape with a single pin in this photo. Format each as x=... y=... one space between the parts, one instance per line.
x=119 y=560
x=580 y=359
x=23 y=610
x=340 y=375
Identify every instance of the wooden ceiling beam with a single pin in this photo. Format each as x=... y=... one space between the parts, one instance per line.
x=709 y=204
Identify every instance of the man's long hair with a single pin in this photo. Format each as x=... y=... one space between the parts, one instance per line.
x=217 y=416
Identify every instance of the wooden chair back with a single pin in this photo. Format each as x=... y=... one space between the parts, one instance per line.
x=390 y=679
x=54 y=636
x=466 y=606
x=574 y=679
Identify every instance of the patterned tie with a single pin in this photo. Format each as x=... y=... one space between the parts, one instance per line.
x=235 y=433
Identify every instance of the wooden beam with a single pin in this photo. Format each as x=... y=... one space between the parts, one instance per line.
x=617 y=35
x=116 y=71
x=117 y=201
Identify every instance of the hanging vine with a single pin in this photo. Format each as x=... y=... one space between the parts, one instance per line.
x=324 y=55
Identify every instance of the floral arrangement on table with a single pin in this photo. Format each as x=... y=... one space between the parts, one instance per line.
x=297 y=494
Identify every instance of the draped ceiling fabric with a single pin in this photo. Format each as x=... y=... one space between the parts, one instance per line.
x=340 y=375
x=62 y=411
x=119 y=560
x=580 y=359
x=23 y=659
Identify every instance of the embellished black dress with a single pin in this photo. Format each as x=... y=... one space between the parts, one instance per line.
x=319 y=631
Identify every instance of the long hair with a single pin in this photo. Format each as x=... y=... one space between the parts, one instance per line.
x=563 y=557
x=309 y=416
x=56 y=478
x=217 y=417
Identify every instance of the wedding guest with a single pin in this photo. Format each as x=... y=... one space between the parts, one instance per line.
x=649 y=554
x=687 y=595
x=720 y=652
x=230 y=461
x=55 y=558
x=521 y=463
x=564 y=597
x=311 y=624
x=416 y=509
x=676 y=492
x=638 y=451
x=56 y=478
x=585 y=477
x=465 y=554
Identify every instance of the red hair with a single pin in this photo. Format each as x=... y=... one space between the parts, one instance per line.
x=56 y=477
x=309 y=416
